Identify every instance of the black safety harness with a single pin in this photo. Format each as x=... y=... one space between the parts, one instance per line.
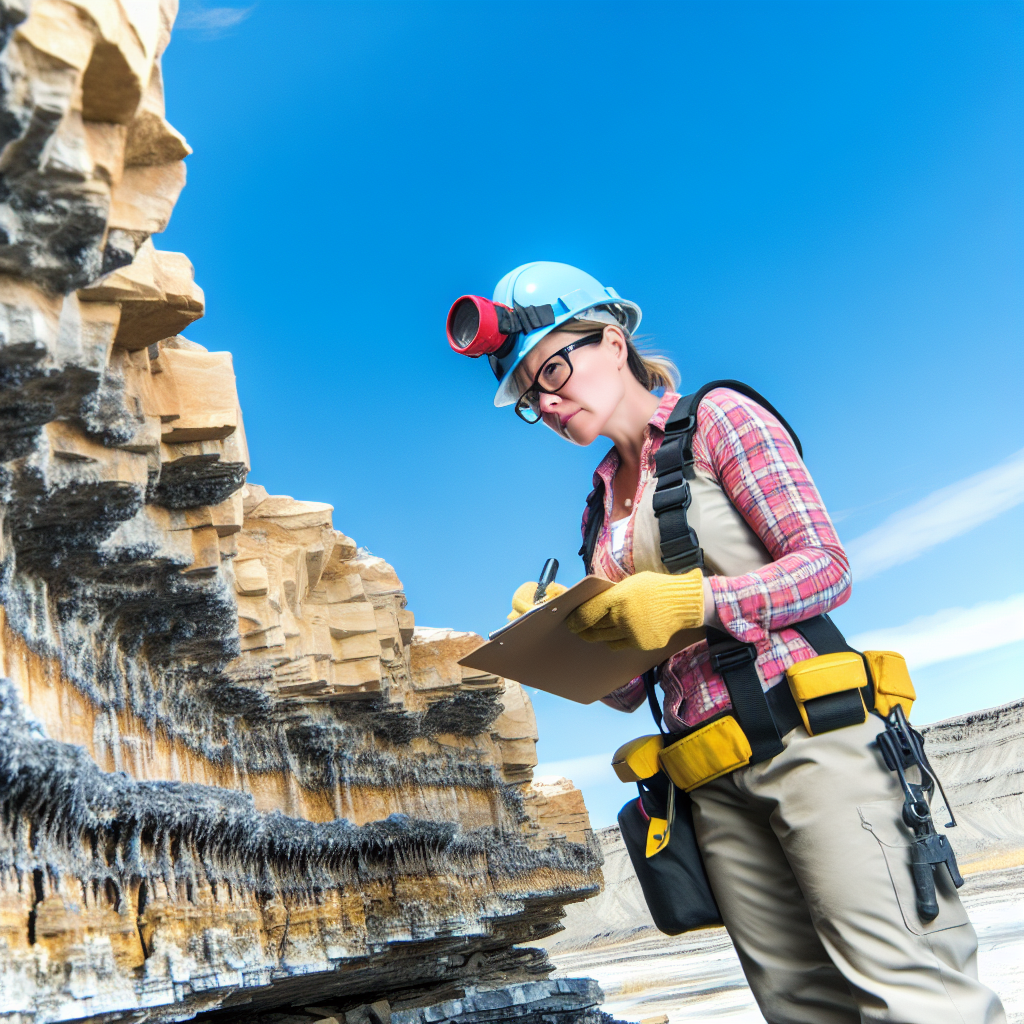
x=764 y=718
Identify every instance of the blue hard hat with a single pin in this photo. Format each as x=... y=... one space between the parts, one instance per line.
x=570 y=292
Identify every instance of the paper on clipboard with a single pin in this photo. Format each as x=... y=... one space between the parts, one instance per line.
x=538 y=650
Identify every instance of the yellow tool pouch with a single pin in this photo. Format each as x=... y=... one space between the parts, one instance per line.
x=638 y=759
x=706 y=754
x=892 y=681
x=827 y=691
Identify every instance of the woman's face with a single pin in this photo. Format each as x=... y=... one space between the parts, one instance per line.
x=588 y=398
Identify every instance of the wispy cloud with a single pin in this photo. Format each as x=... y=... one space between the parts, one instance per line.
x=950 y=633
x=943 y=515
x=211 y=21
x=584 y=771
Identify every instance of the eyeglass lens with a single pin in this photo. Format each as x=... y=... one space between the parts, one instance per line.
x=553 y=374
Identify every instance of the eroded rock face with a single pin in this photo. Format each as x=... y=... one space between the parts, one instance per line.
x=232 y=771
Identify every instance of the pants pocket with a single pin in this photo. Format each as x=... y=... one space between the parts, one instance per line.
x=885 y=822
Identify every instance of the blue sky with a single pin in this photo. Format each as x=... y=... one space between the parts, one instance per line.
x=821 y=199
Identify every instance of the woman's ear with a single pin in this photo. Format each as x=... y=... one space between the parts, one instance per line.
x=617 y=340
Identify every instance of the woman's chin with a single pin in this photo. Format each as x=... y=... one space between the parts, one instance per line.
x=580 y=433
x=579 y=430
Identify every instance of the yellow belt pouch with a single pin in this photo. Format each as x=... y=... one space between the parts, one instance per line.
x=892 y=681
x=638 y=759
x=707 y=754
x=827 y=691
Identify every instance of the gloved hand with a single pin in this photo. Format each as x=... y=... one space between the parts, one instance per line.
x=643 y=611
x=522 y=599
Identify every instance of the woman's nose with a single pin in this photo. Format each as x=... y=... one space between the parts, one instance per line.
x=549 y=403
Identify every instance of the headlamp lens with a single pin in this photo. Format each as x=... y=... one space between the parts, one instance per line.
x=465 y=322
x=473 y=328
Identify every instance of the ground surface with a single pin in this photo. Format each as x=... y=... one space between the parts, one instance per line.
x=696 y=977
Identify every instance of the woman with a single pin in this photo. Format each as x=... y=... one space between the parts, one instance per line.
x=798 y=847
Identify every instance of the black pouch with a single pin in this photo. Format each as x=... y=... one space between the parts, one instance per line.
x=674 y=882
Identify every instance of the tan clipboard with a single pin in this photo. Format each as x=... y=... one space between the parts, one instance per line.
x=538 y=650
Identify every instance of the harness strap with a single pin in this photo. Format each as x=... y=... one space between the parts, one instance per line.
x=763 y=719
x=650 y=678
x=681 y=552
x=766 y=717
x=595 y=523
x=823 y=635
x=735 y=662
x=680 y=548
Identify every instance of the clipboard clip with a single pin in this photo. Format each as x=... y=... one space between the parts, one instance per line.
x=547 y=577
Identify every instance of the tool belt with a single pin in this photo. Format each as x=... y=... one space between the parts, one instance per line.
x=830 y=691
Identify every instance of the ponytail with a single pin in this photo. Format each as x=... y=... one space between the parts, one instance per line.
x=652 y=370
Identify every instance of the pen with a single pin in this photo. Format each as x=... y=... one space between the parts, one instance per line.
x=547 y=577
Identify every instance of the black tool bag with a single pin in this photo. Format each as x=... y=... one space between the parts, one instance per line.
x=674 y=882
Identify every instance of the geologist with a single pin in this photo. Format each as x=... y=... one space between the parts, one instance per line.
x=790 y=754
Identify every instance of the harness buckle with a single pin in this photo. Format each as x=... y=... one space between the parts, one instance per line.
x=671 y=497
x=690 y=558
x=673 y=428
x=735 y=656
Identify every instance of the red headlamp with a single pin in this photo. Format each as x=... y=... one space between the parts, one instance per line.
x=476 y=326
x=479 y=327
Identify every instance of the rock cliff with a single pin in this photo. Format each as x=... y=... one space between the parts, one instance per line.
x=232 y=771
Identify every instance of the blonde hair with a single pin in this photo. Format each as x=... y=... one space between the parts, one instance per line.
x=652 y=370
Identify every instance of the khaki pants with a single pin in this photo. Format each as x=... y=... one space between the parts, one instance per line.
x=809 y=860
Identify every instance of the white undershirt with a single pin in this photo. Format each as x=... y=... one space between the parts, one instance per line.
x=619 y=537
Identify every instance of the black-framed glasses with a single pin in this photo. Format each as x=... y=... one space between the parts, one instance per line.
x=552 y=376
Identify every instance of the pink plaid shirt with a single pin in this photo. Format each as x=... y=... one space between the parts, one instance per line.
x=749 y=453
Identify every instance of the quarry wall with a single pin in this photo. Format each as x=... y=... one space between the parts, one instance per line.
x=232 y=770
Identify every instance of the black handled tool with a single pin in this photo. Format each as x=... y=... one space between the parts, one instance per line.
x=903 y=747
x=547 y=577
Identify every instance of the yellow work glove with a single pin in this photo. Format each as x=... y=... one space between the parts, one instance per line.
x=522 y=599
x=643 y=611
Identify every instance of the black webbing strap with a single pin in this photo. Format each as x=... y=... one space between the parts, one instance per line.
x=680 y=548
x=673 y=467
x=531 y=318
x=595 y=523
x=681 y=552
x=650 y=678
x=735 y=662
x=823 y=635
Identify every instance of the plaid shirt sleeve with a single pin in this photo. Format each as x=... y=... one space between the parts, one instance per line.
x=627 y=698
x=753 y=458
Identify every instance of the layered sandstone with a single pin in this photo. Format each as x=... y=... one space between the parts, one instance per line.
x=232 y=771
